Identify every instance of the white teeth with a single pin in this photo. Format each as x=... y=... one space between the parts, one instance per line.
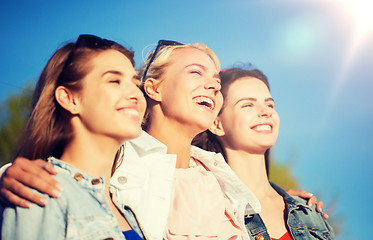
x=205 y=101
x=263 y=128
x=130 y=111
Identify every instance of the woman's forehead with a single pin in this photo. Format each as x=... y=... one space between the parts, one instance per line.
x=191 y=55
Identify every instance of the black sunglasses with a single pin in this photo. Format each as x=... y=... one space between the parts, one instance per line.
x=88 y=41
x=161 y=43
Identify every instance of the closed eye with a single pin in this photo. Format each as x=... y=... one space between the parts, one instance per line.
x=196 y=72
x=115 y=81
x=247 y=105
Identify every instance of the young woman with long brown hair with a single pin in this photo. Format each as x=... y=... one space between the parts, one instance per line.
x=246 y=128
x=86 y=104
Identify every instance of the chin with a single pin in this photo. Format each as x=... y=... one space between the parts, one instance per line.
x=128 y=135
x=204 y=126
x=265 y=147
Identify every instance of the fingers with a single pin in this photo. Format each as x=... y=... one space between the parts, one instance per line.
x=319 y=208
x=300 y=193
x=304 y=194
x=31 y=174
x=24 y=175
x=26 y=193
x=14 y=199
x=312 y=200
x=49 y=167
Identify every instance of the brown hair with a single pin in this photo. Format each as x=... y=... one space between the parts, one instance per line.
x=48 y=129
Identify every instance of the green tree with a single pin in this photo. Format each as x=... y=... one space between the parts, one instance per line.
x=14 y=112
x=281 y=175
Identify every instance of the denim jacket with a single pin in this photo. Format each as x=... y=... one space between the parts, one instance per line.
x=303 y=222
x=81 y=212
x=145 y=180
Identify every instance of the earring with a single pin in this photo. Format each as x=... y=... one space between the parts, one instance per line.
x=75 y=109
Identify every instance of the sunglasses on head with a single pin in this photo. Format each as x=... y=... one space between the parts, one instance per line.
x=161 y=43
x=88 y=41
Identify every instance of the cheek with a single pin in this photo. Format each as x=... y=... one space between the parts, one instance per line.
x=276 y=118
x=219 y=103
x=243 y=121
x=233 y=122
x=142 y=107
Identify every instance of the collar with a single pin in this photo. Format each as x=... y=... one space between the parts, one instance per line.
x=291 y=202
x=147 y=143
x=81 y=178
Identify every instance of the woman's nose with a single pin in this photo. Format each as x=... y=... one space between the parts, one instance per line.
x=265 y=111
x=213 y=84
x=133 y=92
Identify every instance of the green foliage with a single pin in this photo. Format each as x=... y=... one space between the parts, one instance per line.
x=282 y=176
x=14 y=112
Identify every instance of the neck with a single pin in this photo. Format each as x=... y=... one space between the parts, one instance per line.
x=251 y=169
x=177 y=137
x=92 y=153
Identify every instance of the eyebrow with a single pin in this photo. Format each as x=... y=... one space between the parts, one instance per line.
x=196 y=64
x=254 y=100
x=113 y=72
x=216 y=75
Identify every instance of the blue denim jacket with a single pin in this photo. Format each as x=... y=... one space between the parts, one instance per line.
x=303 y=222
x=81 y=212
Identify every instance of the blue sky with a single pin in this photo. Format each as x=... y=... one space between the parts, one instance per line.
x=318 y=62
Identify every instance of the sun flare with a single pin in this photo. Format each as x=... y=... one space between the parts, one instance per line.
x=361 y=12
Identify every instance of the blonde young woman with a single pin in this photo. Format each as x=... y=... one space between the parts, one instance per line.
x=86 y=103
x=177 y=191
x=246 y=128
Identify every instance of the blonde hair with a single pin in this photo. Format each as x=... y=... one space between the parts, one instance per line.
x=161 y=61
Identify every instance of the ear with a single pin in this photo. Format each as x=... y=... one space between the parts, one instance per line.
x=151 y=87
x=67 y=100
x=217 y=128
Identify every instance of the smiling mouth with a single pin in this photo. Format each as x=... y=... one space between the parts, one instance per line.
x=129 y=112
x=262 y=128
x=205 y=101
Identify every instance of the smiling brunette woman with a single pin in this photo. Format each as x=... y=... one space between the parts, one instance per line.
x=245 y=129
x=86 y=103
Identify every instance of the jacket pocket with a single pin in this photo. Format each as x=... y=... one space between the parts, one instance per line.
x=91 y=228
x=320 y=234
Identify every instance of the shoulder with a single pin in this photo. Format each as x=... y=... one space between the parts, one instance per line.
x=310 y=217
x=22 y=223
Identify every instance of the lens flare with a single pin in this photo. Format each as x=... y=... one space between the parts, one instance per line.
x=361 y=13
